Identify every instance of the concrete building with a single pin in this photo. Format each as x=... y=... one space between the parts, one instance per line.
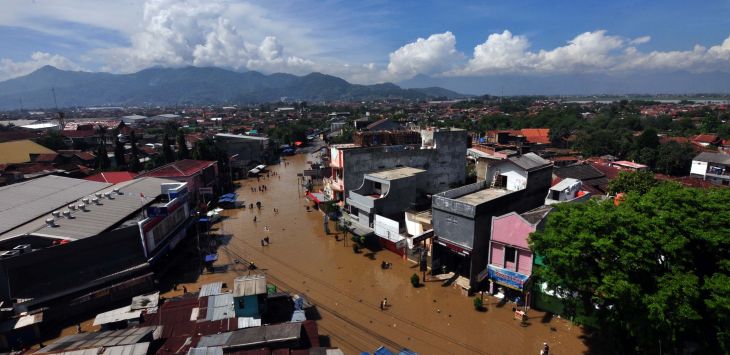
x=567 y=190
x=251 y=150
x=440 y=154
x=200 y=175
x=510 y=257
x=713 y=167
x=71 y=245
x=462 y=217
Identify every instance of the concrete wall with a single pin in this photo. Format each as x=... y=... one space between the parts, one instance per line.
x=249 y=151
x=445 y=165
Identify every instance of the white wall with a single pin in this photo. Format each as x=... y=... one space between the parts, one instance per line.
x=698 y=167
x=387 y=228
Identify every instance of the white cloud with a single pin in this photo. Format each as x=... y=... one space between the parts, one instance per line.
x=196 y=32
x=432 y=55
x=588 y=52
x=10 y=69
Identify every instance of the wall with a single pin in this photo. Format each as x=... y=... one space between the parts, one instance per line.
x=445 y=165
x=699 y=168
x=249 y=151
x=511 y=229
x=516 y=176
x=57 y=269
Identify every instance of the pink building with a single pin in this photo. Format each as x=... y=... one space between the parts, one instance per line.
x=510 y=257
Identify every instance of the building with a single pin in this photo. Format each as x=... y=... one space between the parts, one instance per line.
x=201 y=177
x=71 y=245
x=113 y=177
x=382 y=199
x=628 y=165
x=462 y=217
x=16 y=152
x=592 y=179
x=440 y=154
x=567 y=190
x=250 y=150
x=713 y=167
x=510 y=257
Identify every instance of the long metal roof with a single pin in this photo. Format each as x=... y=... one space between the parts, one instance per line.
x=134 y=195
x=99 y=339
x=25 y=201
x=131 y=349
x=220 y=307
x=249 y=285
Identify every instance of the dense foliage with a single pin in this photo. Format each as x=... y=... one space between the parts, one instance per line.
x=655 y=269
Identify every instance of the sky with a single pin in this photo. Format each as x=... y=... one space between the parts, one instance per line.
x=368 y=41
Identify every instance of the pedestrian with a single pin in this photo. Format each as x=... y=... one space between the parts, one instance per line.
x=385 y=303
x=382 y=305
x=185 y=289
x=266 y=239
x=262 y=242
x=254 y=219
x=545 y=349
x=78 y=328
x=174 y=287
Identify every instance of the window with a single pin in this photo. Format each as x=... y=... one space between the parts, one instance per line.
x=510 y=254
x=241 y=303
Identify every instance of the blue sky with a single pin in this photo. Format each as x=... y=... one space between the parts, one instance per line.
x=368 y=41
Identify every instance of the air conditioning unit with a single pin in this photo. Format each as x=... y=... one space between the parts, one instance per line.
x=56 y=214
x=85 y=200
x=117 y=191
x=98 y=195
x=82 y=206
x=72 y=207
x=67 y=214
x=95 y=200
x=9 y=254
x=108 y=195
x=51 y=222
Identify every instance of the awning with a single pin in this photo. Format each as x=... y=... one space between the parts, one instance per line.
x=211 y=258
x=317 y=197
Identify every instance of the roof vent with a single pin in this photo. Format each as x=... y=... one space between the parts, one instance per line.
x=99 y=194
x=117 y=191
x=51 y=222
x=67 y=214
x=108 y=195
x=85 y=200
x=72 y=207
x=95 y=200
x=56 y=214
x=82 y=206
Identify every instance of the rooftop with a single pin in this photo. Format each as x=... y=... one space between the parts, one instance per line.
x=564 y=184
x=481 y=196
x=97 y=218
x=181 y=168
x=717 y=158
x=25 y=201
x=536 y=215
x=113 y=177
x=241 y=136
x=397 y=173
x=529 y=161
x=15 y=152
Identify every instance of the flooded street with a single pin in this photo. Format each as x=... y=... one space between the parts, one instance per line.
x=347 y=288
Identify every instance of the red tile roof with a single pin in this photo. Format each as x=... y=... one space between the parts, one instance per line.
x=113 y=177
x=78 y=133
x=705 y=138
x=537 y=135
x=182 y=168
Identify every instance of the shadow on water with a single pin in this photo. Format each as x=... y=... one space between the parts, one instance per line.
x=370 y=255
x=547 y=317
x=324 y=341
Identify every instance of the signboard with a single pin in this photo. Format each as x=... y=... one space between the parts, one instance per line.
x=156 y=211
x=507 y=278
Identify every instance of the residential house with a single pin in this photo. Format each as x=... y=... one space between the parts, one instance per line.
x=21 y=151
x=713 y=167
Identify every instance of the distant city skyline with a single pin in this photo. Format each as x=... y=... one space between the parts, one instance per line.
x=369 y=42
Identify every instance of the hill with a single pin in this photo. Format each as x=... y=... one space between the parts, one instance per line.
x=190 y=86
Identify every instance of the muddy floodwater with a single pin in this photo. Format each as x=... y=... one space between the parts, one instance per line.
x=347 y=288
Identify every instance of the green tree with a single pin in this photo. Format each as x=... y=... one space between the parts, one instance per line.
x=102 y=157
x=653 y=269
x=674 y=158
x=53 y=141
x=167 y=150
x=647 y=139
x=182 y=146
x=119 y=154
x=134 y=164
x=639 y=182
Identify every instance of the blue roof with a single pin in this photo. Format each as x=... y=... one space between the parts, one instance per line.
x=383 y=351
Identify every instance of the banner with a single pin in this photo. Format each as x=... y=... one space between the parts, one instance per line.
x=507 y=278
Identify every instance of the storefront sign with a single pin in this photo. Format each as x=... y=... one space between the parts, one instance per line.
x=507 y=278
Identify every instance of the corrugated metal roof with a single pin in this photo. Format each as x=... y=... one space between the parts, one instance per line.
x=529 y=161
x=117 y=315
x=220 y=307
x=25 y=201
x=215 y=350
x=98 y=218
x=15 y=152
x=248 y=322
x=146 y=301
x=132 y=349
x=249 y=285
x=710 y=157
x=266 y=334
x=211 y=289
x=214 y=340
x=98 y=339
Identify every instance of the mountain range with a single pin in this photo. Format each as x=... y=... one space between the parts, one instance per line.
x=189 y=86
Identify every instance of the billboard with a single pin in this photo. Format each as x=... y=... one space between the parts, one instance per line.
x=508 y=278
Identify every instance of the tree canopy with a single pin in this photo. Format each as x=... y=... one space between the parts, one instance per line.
x=655 y=269
x=639 y=182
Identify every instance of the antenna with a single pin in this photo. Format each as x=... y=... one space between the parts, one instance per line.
x=61 y=121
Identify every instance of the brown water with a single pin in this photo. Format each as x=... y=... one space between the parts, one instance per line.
x=347 y=288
